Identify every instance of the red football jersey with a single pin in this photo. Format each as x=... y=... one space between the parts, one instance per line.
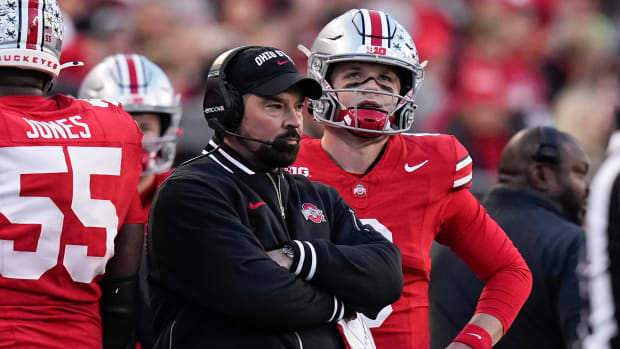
x=149 y=194
x=414 y=195
x=69 y=170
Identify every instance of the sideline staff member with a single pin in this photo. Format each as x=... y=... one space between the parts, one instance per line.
x=244 y=254
x=540 y=203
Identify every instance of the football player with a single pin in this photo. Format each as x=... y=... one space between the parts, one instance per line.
x=68 y=201
x=412 y=188
x=144 y=91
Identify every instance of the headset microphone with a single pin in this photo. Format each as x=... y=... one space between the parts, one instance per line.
x=279 y=144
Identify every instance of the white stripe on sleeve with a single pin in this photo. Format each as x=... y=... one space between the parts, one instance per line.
x=302 y=257
x=312 y=260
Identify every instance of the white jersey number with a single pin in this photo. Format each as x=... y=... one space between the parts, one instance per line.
x=84 y=161
x=386 y=311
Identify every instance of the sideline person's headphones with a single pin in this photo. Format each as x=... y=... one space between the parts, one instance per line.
x=223 y=104
x=548 y=150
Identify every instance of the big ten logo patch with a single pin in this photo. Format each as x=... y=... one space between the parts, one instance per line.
x=298 y=171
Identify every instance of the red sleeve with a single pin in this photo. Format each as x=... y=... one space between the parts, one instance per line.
x=481 y=243
x=135 y=213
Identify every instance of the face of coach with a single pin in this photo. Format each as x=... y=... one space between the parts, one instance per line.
x=277 y=119
x=273 y=95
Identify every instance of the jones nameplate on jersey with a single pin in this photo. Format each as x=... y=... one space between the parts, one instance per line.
x=62 y=128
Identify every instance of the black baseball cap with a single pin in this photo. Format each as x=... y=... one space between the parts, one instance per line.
x=267 y=71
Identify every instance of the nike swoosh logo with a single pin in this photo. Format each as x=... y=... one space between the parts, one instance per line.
x=475 y=335
x=413 y=168
x=280 y=63
x=256 y=205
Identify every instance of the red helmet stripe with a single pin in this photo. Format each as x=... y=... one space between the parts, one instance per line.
x=140 y=74
x=34 y=29
x=133 y=76
x=377 y=28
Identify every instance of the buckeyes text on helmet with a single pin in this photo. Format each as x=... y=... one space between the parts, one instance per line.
x=369 y=36
x=140 y=86
x=31 y=34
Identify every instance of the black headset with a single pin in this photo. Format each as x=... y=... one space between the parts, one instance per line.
x=223 y=104
x=548 y=150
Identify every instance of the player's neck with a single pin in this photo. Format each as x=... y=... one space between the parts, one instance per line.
x=350 y=152
x=7 y=90
x=21 y=82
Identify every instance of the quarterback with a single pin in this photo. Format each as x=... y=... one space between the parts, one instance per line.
x=412 y=188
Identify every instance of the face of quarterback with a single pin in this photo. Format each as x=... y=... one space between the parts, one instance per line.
x=149 y=123
x=366 y=76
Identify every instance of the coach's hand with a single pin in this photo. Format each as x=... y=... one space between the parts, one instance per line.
x=279 y=257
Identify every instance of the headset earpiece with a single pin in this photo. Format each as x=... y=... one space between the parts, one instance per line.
x=223 y=104
x=548 y=150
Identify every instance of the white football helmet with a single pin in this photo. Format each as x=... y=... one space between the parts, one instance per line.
x=141 y=87
x=365 y=36
x=31 y=34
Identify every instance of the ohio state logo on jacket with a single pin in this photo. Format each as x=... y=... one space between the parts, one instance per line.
x=312 y=213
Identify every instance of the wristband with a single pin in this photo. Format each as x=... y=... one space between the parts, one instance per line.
x=475 y=336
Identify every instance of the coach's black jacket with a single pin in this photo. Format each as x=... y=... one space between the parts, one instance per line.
x=213 y=284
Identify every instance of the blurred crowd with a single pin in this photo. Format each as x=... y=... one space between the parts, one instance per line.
x=494 y=66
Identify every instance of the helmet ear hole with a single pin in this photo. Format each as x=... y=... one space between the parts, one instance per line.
x=404 y=117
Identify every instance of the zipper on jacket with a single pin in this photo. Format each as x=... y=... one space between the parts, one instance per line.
x=301 y=345
x=278 y=194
